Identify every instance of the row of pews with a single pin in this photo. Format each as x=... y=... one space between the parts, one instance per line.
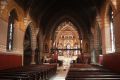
x=90 y=72
x=32 y=72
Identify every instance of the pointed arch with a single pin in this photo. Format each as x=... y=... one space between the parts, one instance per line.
x=27 y=46
x=67 y=18
x=66 y=30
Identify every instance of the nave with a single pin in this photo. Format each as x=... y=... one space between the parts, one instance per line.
x=38 y=35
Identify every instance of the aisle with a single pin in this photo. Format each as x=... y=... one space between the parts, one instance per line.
x=60 y=75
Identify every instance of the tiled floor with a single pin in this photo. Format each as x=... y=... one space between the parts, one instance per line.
x=60 y=75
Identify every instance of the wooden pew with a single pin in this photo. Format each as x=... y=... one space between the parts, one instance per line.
x=20 y=73
x=90 y=72
x=33 y=72
x=92 y=78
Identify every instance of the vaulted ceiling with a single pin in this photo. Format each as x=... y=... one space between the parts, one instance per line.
x=48 y=11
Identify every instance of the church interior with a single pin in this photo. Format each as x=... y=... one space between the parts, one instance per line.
x=59 y=40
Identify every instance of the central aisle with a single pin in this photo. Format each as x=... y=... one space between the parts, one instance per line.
x=60 y=74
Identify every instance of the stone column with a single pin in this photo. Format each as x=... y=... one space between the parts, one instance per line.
x=96 y=43
x=34 y=32
x=41 y=49
x=33 y=57
x=101 y=38
x=40 y=46
x=92 y=50
x=33 y=45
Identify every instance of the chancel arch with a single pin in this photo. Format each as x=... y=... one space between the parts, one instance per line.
x=56 y=26
x=66 y=41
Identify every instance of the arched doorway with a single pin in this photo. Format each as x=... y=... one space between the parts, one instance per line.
x=27 y=46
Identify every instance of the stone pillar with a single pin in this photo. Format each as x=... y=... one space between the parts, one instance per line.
x=34 y=32
x=41 y=50
x=40 y=46
x=95 y=51
x=33 y=57
x=96 y=44
x=33 y=45
x=92 y=50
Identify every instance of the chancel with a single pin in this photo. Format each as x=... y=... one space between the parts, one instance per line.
x=59 y=40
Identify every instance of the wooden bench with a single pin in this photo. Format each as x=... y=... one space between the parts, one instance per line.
x=92 y=79
x=33 y=72
x=90 y=72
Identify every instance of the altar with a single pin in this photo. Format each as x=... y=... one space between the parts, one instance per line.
x=67 y=60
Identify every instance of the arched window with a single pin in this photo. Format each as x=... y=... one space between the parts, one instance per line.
x=111 y=30
x=11 y=21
